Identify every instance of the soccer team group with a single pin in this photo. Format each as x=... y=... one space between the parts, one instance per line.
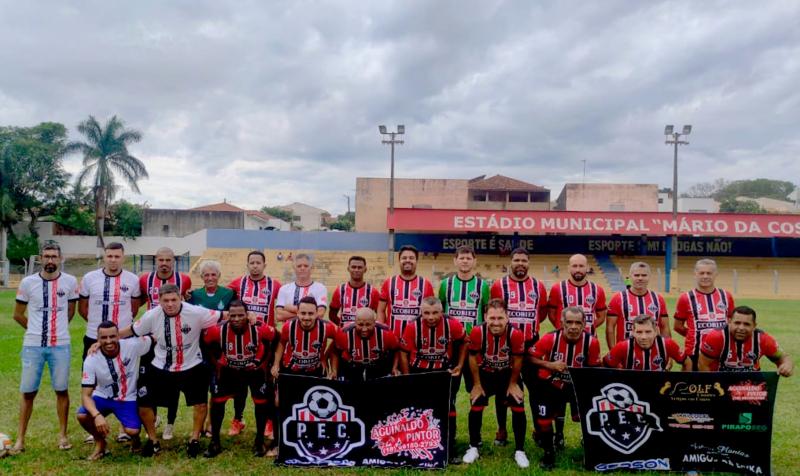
x=242 y=337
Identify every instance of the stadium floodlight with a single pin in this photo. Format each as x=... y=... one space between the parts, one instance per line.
x=668 y=130
x=401 y=129
x=674 y=138
x=687 y=129
x=391 y=139
x=382 y=129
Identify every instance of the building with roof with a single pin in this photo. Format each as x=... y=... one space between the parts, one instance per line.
x=307 y=217
x=480 y=193
x=179 y=222
x=608 y=197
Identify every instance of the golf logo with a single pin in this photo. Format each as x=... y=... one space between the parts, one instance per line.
x=322 y=429
x=620 y=419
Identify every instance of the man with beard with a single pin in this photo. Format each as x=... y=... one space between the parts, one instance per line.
x=259 y=292
x=637 y=300
x=366 y=348
x=49 y=298
x=108 y=386
x=526 y=298
x=402 y=295
x=568 y=346
x=286 y=306
x=436 y=343
x=149 y=285
x=303 y=345
x=645 y=349
x=701 y=310
x=739 y=346
x=239 y=353
x=495 y=362
x=580 y=292
x=353 y=295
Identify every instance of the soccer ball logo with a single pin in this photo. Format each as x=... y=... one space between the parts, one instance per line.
x=323 y=403
x=620 y=396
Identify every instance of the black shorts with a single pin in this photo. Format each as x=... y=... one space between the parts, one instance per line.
x=495 y=384
x=232 y=382
x=551 y=401
x=162 y=388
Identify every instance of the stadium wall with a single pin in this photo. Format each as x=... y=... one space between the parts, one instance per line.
x=297 y=240
x=72 y=246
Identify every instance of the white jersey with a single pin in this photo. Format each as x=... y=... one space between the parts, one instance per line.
x=48 y=303
x=109 y=298
x=115 y=378
x=177 y=337
x=291 y=294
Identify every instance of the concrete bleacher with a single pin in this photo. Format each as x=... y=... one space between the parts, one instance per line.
x=746 y=277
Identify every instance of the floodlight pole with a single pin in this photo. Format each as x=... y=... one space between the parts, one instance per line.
x=674 y=138
x=390 y=138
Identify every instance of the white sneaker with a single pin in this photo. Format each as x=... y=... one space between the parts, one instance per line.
x=471 y=455
x=158 y=421
x=168 y=432
x=88 y=440
x=521 y=459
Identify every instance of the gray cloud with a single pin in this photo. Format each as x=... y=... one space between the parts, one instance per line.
x=272 y=103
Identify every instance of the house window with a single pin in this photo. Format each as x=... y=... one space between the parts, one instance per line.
x=295 y=217
x=616 y=207
x=518 y=197
x=165 y=230
x=479 y=197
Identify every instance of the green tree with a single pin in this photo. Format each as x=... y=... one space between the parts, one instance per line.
x=75 y=210
x=345 y=222
x=731 y=205
x=105 y=155
x=22 y=248
x=285 y=215
x=756 y=188
x=126 y=219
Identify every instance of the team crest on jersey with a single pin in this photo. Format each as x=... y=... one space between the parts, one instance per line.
x=533 y=294
x=579 y=359
x=620 y=419
x=751 y=355
x=60 y=293
x=124 y=288
x=363 y=301
x=186 y=329
x=652 y=308
x=416 y=293
x=505 y=349
x=251 y=347
x=590 y=300
x=474 y=295
x=316 y=345
x=322 y=429
x=722 y=307
x=442 y=340
x=659 y=361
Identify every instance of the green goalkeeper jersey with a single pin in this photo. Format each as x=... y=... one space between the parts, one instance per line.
x=465 y=300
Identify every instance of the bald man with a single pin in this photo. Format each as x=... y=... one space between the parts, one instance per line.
x=578 y=291
x=367 y=348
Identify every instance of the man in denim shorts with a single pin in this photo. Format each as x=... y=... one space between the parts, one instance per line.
x=45 y=306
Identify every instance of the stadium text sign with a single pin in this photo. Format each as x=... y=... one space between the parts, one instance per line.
x=677 y=421
x=596 y=223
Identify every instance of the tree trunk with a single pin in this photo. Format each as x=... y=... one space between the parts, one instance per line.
x=32 y=224
x=99 y=215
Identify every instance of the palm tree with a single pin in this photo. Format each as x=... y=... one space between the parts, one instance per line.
x=105 y=153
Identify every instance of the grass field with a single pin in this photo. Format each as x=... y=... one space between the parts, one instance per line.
x=43 y=457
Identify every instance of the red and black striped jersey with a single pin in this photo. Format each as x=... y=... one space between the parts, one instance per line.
x=259 y=295
x=304 y=350
x=554 y=347
x=403 y=299
x=626 y=354
x=493 y=352
x=590 y=297
x=702 y=313
x=732 y=355
x=627 y=305
x=150 y=284
x=431 y=348
x=348 y=300
x=248 y=350
x=375 y=350
x=526 y=301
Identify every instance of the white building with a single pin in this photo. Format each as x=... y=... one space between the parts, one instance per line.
x=306 y=217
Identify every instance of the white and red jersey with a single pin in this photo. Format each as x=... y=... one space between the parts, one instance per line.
x=291 y=294
x=304 y=350
x=731 y=355
x=702 y=312
x=259 y=295
x=114 y=378
x=248 y=350
x=554 y=347
x=627 y=305
x=589 y=296
x=493 y=353
x=109 y=298
x=48 y=308
x=374 y=350
x=526 y=301
x=177 y=337
x=626 y=354
x=403 y=299
x=348 y=300
x=150 y=285
x=432 y=348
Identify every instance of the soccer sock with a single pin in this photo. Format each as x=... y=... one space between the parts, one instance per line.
x=452 y=439
x=502 y=415
x=520 y=425
x=239 y=402
x=475 y=421
x=261 y=421
x=544 y=433
x=217 y=415
x=172 y=412
x=560 y=425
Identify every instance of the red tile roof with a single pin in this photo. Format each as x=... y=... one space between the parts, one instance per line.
x=501 y=182
x=218 y=207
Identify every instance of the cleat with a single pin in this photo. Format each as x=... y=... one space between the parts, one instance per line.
x=501 y=438
x=194 y=448
x=471 y=455
x=236 y=427
x=169 y=432
x=521 y=459
x=214 y=448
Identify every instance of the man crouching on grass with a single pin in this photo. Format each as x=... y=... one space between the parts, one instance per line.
x=108 y=386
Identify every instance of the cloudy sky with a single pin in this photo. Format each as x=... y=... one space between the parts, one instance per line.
x=265 y=103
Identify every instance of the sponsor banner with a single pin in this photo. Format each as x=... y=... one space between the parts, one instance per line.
x=676 y=421
x=389 y=422
x=595 y=223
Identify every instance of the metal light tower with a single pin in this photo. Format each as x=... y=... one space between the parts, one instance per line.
x=391 y=139
x=674 y=138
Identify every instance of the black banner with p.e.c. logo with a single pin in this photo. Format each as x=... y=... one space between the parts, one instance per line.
x=679 y=421
x=388 y=422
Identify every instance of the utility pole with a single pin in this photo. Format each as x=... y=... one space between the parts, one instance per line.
x=390 y=139
x=674 y=138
